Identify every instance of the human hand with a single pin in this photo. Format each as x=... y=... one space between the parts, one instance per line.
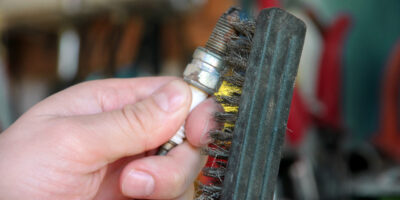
x=96 y=140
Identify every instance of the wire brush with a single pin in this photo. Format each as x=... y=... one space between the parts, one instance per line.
x=261 y=62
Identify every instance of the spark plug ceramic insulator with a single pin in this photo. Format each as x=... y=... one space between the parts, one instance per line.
x=203 y=74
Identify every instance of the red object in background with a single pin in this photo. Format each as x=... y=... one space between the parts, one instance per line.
x=329 y=78
x=328 y=84
x=268 y=4
x=299 y=119
x=388 y=137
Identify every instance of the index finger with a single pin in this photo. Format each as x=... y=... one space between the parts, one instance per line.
x=98 y=96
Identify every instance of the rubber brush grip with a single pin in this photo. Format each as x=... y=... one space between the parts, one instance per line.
x=264 y=107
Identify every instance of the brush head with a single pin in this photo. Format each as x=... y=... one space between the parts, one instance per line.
x=259 y=130
x=260 y=67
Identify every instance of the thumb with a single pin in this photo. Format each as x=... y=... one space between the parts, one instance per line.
x=135 y=128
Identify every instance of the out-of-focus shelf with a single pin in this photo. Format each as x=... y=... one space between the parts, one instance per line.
x=22 y=8
x=49 y=11
x=32 y=12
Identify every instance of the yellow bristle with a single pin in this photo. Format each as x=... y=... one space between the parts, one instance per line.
x=228 y=89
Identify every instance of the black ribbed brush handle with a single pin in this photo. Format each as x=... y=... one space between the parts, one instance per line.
x=264 y=107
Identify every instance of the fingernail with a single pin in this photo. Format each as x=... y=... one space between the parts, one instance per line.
x=211 y=123
x=205 y=137
x=170 y=97
x=138 y=184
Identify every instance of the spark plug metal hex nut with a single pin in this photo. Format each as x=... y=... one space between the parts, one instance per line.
x=204 y=70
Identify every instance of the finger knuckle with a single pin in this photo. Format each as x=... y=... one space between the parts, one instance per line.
x=108 y=99
x=137 y=118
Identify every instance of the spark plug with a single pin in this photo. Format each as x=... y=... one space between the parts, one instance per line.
x=203 y=74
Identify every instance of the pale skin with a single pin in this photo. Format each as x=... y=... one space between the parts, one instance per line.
x=96 y=140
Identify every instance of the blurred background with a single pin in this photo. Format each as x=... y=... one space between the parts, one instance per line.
x=343 y=135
